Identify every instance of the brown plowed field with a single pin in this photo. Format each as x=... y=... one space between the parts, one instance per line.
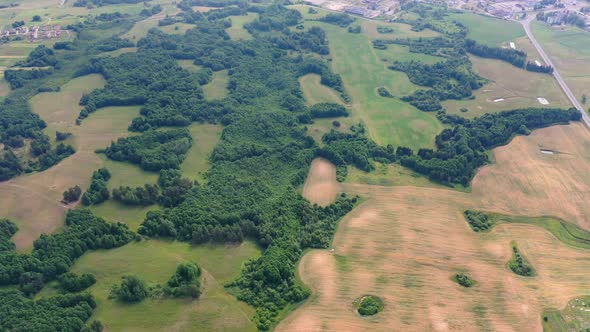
x=404 y=244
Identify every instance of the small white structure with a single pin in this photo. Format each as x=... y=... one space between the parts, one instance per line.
x=498 y=100
x=512 y=45
x=543 y=101
x=537 y=63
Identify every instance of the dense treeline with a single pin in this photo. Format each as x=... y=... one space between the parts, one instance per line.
x=461 y=149
x=98 y=191
x=7 y=230
x=41 y=56
x=147 y=195
x=53 y=255
x=18 y=78
x=340 y=19
x=66 y=313
x=531 y=66
x=327 y=110
x=515 y=57
x=153 y=150
x=73 y=283
x=111 y=44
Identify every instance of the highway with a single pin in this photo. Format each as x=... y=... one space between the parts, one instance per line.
x=526 y=24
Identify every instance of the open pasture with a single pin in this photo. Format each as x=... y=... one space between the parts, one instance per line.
x=155 y=261
x=205 y=138
x=389 y=120
x=508 y=88
x=404 y=243
x=481 y=28
x=569 y=50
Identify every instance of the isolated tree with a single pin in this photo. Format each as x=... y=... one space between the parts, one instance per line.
x=584 y=99
x=132 y=289
x=36 y=18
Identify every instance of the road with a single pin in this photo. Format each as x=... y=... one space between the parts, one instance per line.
x=526 y=24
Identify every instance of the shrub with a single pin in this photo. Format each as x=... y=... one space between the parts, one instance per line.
x=478 y=221
x=72 y=194
x=185 y=281
x=369 y=305
x=463 y=280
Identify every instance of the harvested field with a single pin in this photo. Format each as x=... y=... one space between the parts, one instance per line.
x=404 y=243
x=320 y=186
x=526 y=182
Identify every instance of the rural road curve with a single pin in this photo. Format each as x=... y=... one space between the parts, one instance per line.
x=526 y=24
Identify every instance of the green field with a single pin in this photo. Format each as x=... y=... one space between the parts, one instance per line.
x=389 y=120
x=517 y=87
x=205 y=138
x=569 y=49
x=237 y=31
x=315 y=92
x=155 y=261
x=489 y=30
x=217 y=88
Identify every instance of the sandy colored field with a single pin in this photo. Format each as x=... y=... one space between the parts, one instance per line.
x=519 y=89
x=320 y=186
x=404 y=244
x=42 y=192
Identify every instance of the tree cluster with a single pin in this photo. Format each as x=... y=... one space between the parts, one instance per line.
x=185 y=281
x=72 y=194
x=73 y=283
x=153 y=150
x=56 y=313
x=98 y=191
x=531 y=66
x=515 y=57
x=132 y=290
x=519 y=264
x=479 y=221
x=340 y=19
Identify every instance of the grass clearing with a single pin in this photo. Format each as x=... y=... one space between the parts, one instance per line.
x=189 y=65
x=517 y=87
x=315 y=92
x=480 y=27
x=569 y=50
x=217 y=88
x=237 y=31
x=205 y=138
x=155 y=261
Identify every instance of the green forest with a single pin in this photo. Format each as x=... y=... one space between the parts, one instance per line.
x=256 y=169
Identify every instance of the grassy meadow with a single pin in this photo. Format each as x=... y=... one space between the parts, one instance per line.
x=237 y=31
x=489 y=30
x=217 y=88
x=155 y=261
x=363 y=70
x=569 y=49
